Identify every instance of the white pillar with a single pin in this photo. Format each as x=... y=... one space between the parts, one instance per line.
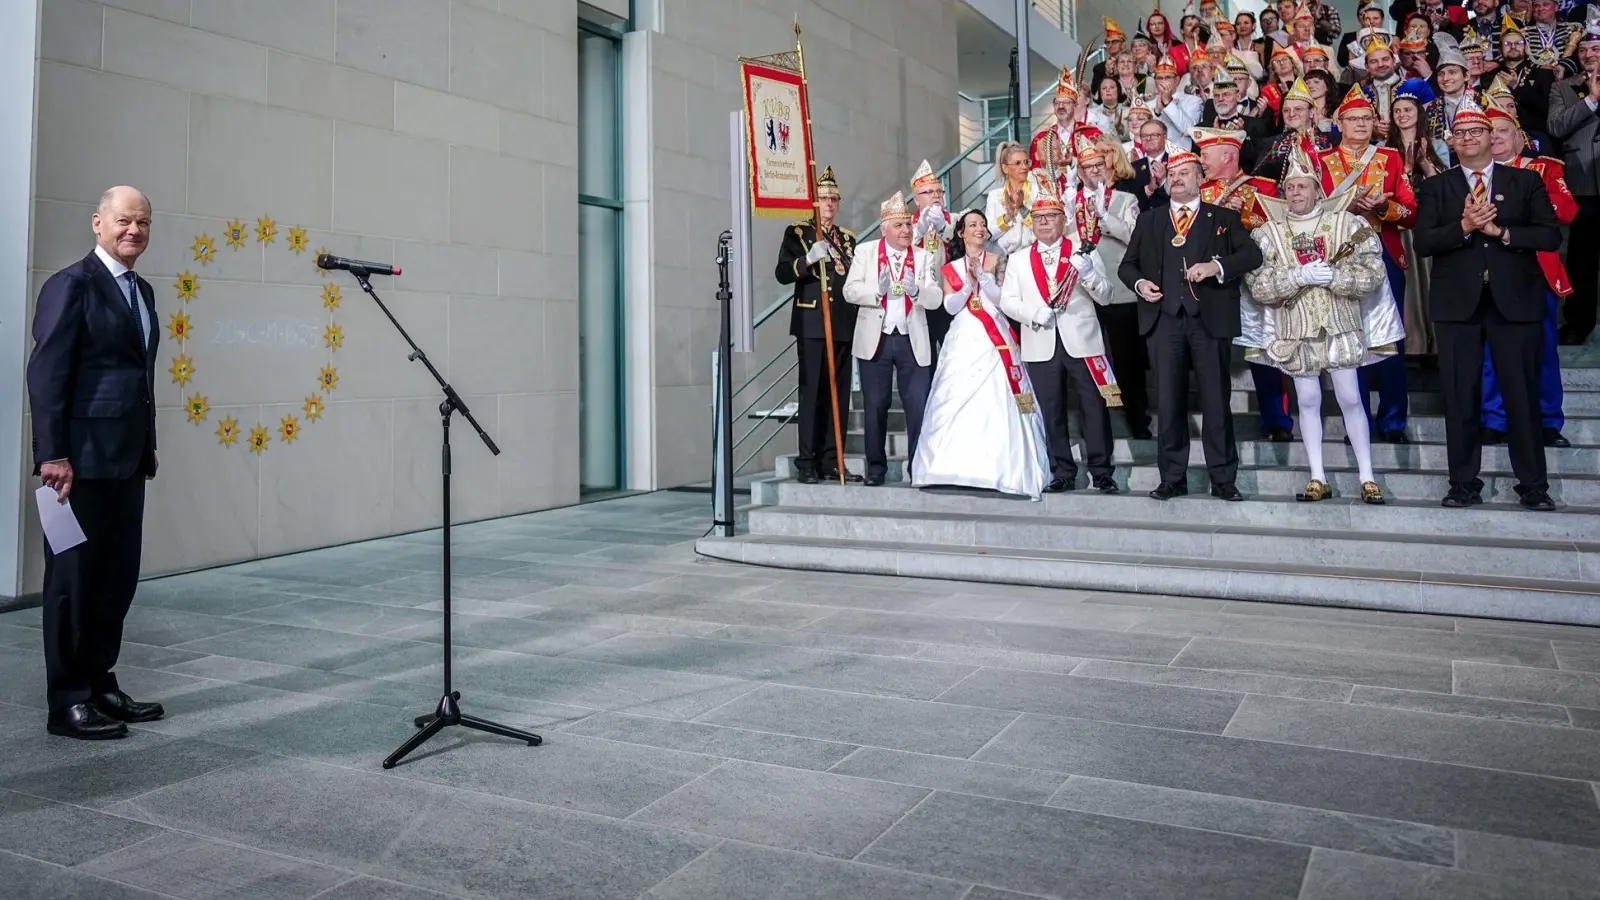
x=19 y=66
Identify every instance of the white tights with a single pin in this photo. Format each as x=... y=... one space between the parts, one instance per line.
x=1347 y=389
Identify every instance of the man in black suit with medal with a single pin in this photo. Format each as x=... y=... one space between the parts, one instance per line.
x=801 y=257
x=1483 y=224
x=1186 y=261
x=91 y=387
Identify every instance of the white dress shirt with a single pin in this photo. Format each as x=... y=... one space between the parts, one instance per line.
x=119 y=272
x=894 y=308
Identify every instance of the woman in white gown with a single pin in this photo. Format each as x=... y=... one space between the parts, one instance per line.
x=980 y=428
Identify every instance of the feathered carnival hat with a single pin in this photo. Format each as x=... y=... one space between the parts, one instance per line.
x=1065 y=87
x=1044 y=193
x=895 y=208
x=827 y=185
x=1113 y=31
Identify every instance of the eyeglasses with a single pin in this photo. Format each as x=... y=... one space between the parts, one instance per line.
x=1472 y=132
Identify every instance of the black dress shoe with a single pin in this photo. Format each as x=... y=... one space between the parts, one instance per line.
x=1538 y=501
x=1395 y=436
x=849 y=477
x=1228 y=491
x=1554 y=438
x=1140 y=432
x=1570 y=338
x=1166 y=490
x=806 y=476
x=1461 y=498
x=1280 y=435
x=874 y=481
x=1105 y=484
x=84 y=722
x=123 y=708
x=1061 y=485
x=1493 y=437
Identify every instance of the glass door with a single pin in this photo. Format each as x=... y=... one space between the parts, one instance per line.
x=601 y=421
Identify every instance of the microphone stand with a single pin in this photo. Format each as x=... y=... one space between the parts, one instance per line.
x=447 y=713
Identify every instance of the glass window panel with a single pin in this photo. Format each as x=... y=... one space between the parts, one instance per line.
x=599 y=349
x=599 y=112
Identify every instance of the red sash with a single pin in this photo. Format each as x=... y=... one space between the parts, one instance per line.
x=1000 y=336
x=1099 y=366
x=910 y=268
x=1089 y=223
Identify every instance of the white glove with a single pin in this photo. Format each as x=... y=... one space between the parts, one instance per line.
x=1084 y=263
x=987 y=283
x=1318 y=273
x=817 y=253
x=1042 y=317
x=883 y=282
x=910 y=287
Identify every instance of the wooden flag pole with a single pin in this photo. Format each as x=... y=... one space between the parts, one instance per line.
x=822 y=267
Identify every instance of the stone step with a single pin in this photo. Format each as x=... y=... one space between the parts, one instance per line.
x=1338 y=514
x=1484 y=596
x=1455 y=555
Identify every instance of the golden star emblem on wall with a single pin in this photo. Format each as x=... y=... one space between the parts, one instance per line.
x=333 y=336
x=259 y=440
x=178 y=326
x=328 y=378
x=228 y=431
x=330 y=296
x=289 y=429
x=313 y=408
x=320 y=251
x=205 y=250
x=234 y=234
x=266 y=230
x=182 y=369
x=298 y=241
x=187 y=285
x=197 y=408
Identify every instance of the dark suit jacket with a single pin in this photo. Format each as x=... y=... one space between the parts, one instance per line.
x=1577 y=128
x=91 y=386
x=1459 y=260
x=1217 y=233
x=805 y=317
x=1140 y=181
x=1258 y=134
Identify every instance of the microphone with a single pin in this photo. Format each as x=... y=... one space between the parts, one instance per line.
x=358 y=266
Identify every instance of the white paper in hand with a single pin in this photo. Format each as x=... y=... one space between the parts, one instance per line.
x=61 y=528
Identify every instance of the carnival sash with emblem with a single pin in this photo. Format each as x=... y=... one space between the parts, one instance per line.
x=1354 y=174
x=1056 y=300
x=909 y=267
x=1089 y=222
x=1000 y=338
x=1221 y=199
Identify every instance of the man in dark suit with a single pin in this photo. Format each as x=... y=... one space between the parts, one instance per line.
x=1148 y=183
x=1225 y=111
x=1186 y=261
x=1483 y=224
x=1573 y=120
x=803 y=254
x=91 y=386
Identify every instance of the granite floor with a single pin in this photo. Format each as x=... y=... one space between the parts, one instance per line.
x=720 y=732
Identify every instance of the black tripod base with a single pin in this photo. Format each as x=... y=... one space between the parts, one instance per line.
x=448 y=713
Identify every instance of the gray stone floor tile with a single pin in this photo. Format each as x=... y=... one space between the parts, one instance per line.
x=577 y=773
x=414 y=832
x=45 y=881
x=1585 y=718
x=193 y=868
x=298 y=680
x=814 y=640
x=346 y=616
x=713 y=740
x=737 y=583
x=599 y=576
x=1101 y=699
x=504 y=609
x=460 y=564
x=62 y=834
x=306 y=567
x=1062 y=853
x=721 y=610
x=1531 y=685
x=98 y=774
x=830 y=670
x=309 y=648
x=787 y=808
x=1543 y=630
x=165 y=627
x=1384 y=670
x=626 y=622
x=989 y=893
x=1073 y=615
x=538 y=637
x=946 y=774
x=220 y=603
x=506 y=586
x=854 y=595
x=735 y=871
x=918 y=726
x=1450 y=704
x=148 y=657
x=378 y=889
x=1157 y=601
x=1510 y=746
x=1005 y=636
x=1255 y=818
x=1578 y=656
x=625 y=536
x=1335 y=875
x=973 y=606
x=1338 y=614
x=1381 y=787
x=1557 y=864
x=1236 y=682
x=998 y=659
x=1420 y=642
x=19 y=636
x=594 y=685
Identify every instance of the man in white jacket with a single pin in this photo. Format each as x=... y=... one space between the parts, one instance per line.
x=1051 y=288
x=895 y=285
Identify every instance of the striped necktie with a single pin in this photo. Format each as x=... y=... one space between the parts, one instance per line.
x=1184 y=215
x=131 y=293
x=1480 y=190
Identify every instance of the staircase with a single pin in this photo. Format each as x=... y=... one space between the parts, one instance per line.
x=1496 y=560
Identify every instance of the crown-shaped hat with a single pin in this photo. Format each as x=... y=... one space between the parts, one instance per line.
x=1216 y=137
x=1355 y=101
x=1065 y=87
x=1373 y=41
x=1300 y=164
x=1084 y=146
x=827 y=185
x=1368 y=4
x=1044 y=193
x=1303 y=11
x=1142 y=103
x=895 y=208
x=1166 y=65
x=1299 y=91
x=1416 y=89
x=1113 y=31
x=924 y=176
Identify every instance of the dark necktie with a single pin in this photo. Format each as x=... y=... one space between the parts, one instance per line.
x=131 y=292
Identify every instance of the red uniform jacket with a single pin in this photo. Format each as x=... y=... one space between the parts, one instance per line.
x=1553 y=171
x=1251 y=212
x=1386 y=173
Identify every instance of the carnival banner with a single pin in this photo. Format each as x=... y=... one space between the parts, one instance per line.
x=776 y=133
